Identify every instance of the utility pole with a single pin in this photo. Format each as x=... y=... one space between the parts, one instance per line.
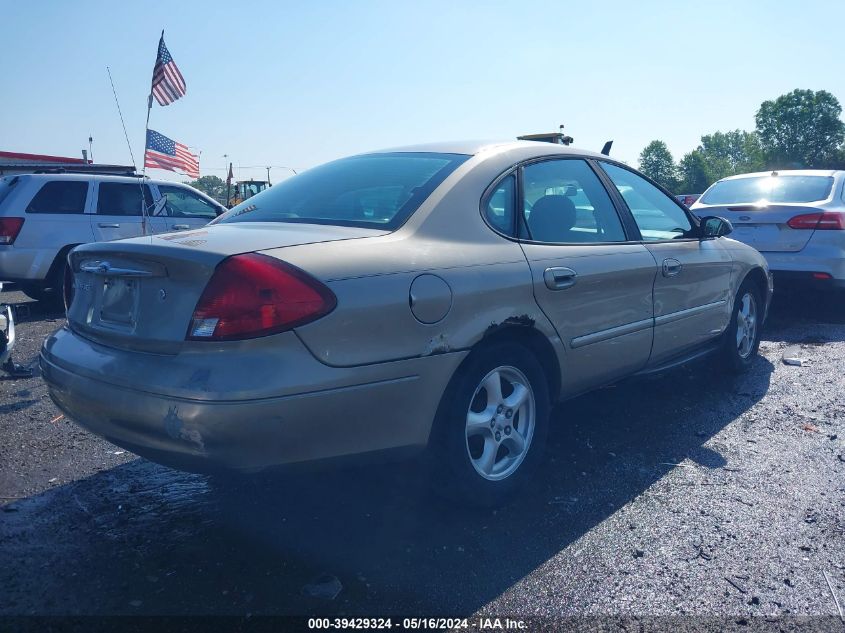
x=91 y=147
x=229 y=187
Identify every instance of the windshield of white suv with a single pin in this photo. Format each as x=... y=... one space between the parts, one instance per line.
x=370 y=191
x=769 y=189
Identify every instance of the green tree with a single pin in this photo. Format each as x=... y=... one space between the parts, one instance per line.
x=731 y=153
x=211 y=186
x=801 y=129
x=693 y=173
x=657 y=163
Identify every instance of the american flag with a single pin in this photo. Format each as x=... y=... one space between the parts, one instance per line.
x=168 y=83
x=166 y=153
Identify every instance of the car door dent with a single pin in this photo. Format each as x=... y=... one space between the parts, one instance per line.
x=604 y=335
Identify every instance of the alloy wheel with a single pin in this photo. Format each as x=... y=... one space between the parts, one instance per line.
x=746 y=325
x=500 y=423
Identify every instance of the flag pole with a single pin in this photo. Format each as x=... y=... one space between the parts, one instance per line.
x=147 y=126
x=144 y=166
x=146 y=130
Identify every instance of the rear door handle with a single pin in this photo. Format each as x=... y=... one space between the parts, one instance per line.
x=108 y=225
x=671 y=267
x=180 y=227
x=559 y=278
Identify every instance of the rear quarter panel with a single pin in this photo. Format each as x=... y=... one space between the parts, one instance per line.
x=488 y=277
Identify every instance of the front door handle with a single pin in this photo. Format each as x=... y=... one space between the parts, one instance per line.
x=180 y=227
x=671 y=267
x=559 y=278
x=108 y=225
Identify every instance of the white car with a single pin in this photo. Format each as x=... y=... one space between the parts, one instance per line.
x=795 y=218
x=43 y=216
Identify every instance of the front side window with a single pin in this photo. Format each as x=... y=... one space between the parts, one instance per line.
x=60 y=196
x=656 y=214
x=499 y=209
x=565 y=202
x=118 y=198
x=183 y=203
x=377 y=191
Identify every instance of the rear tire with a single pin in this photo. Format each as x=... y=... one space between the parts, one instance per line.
x=490 y=430
x=50 y=293
x=742 y=338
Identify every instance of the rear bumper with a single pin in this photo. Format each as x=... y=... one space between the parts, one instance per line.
x=345 y=412
x=799 y=267
x=806 y=279
x=25 y=264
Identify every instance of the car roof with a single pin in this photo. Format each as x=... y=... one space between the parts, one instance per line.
x=100 y=177
x=471 y=148
x=785 y=172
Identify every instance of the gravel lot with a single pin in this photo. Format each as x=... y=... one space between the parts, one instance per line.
x=687 y=493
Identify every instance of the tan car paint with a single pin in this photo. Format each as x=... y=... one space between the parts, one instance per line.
x=370 y=375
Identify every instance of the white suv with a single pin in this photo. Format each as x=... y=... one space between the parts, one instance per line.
x=43 y=216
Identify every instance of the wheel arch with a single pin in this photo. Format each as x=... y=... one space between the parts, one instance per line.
x=49 y=280
x=533 y=340
x=758 y=277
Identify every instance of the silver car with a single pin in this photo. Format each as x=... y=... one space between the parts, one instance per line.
x=438 y=297
x=796 y=218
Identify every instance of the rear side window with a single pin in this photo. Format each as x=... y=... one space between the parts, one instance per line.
x=118 y=198
x=378 y=191
x=60 y=196
x=565 y=202
x=500 y=206
x=770 y=189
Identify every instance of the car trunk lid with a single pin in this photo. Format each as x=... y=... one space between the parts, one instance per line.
x=765 y=227
x=140 y=294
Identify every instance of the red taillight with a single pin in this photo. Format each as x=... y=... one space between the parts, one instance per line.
x=822 y=276
x=818 y=221
x=9 y=229
x=255 y=295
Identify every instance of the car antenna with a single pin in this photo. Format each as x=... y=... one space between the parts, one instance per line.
x=606 y=149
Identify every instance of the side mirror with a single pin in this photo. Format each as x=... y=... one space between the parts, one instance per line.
x=715 y=226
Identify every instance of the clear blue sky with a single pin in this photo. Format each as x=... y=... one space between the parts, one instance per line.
x=299 y=83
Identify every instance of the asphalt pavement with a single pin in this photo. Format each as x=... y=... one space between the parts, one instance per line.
x=687 y=494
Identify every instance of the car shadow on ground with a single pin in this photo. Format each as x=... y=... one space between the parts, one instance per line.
x=141 y=538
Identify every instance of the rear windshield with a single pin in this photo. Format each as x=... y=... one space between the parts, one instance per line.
x=769 y=188
x=371 y=191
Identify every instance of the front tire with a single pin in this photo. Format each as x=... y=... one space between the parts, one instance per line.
x=491 y=426
x=742 y=338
